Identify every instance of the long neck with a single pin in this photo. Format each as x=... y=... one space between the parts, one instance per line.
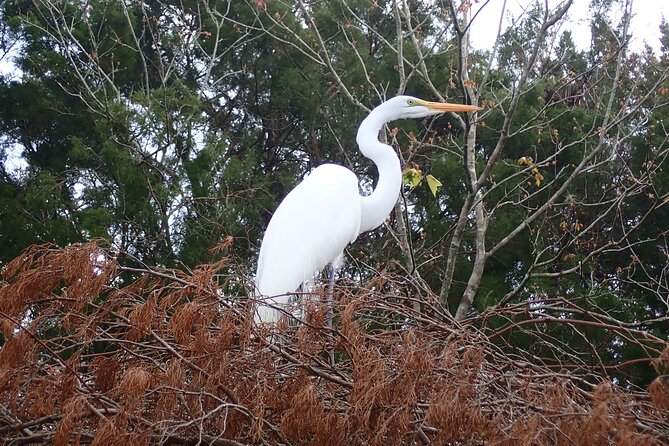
x=377 y=206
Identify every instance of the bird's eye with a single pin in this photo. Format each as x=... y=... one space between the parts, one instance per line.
x=411 y=102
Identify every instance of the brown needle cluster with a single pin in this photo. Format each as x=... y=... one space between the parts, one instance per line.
x=169 y=358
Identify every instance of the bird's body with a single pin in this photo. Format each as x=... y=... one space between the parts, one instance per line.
x=328 y=197
x=325 y=212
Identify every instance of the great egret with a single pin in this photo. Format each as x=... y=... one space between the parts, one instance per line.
x=325 y=212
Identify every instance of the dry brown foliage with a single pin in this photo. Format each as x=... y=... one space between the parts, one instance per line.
x=167 y=360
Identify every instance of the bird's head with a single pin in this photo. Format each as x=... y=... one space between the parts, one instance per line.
x=401 y=107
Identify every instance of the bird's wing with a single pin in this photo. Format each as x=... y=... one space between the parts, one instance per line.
x=309 y=229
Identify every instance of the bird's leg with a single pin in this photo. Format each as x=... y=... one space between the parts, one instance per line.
x=328 y=299
x=329 y=314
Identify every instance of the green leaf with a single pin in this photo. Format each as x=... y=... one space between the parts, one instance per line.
x=412 y=177
x=433 y=183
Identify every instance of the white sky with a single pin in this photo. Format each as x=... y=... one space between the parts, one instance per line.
x=646 y=17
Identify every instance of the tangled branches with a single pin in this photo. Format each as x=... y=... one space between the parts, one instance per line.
x=166 y=359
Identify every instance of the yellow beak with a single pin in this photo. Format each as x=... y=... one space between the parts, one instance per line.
x=447 y=107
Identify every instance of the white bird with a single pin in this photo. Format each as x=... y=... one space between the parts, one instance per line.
x=325 y=212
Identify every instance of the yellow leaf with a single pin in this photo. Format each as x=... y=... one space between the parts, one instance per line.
x=538 y=178
x=433 y=183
